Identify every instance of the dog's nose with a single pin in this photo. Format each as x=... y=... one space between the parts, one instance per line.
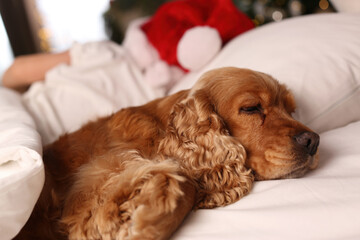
x=309 y=140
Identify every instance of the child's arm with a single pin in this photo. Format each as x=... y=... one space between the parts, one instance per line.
x=31 y=68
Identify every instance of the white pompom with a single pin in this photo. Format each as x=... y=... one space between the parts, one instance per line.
x=198 y=46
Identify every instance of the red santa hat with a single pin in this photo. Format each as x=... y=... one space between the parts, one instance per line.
x=188 y=33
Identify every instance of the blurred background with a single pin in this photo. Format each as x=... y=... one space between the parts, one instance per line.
x=34 y=26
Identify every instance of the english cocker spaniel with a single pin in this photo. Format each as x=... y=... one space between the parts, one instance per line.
x=137 y=173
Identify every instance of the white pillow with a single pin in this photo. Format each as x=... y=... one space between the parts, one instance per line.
x=21 y=167
x=316 y=56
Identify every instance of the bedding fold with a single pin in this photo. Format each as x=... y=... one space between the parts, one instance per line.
x=21 y=168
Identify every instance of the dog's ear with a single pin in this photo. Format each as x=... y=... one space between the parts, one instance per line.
x=198 y=138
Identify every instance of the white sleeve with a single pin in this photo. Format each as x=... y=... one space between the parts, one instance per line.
x=93 y=54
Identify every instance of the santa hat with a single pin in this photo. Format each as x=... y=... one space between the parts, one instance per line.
x=188 y=33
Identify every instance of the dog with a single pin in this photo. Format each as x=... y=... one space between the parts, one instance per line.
x=137 y=173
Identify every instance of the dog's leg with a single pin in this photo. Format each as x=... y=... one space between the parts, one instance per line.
x=164 y=204
x=137 y=199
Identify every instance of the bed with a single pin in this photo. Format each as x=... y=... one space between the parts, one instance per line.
x=316 y=56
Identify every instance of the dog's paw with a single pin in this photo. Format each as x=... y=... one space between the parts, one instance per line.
x=147 y=200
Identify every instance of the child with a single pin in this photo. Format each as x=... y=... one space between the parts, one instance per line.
x=84 y=83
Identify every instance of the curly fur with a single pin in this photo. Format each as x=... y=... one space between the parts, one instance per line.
x=197 y=136
x=137 y=173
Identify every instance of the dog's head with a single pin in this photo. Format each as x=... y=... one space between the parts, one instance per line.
x=256 y=110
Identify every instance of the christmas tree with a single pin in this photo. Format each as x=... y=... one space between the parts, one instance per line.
x=264 y=11
x=121 y=12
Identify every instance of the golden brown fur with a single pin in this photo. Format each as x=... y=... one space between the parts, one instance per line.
x=137 y=173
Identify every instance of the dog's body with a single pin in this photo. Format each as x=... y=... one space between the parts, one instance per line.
x=137 y=173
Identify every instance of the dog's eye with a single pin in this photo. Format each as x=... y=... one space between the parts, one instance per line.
x=251 y=109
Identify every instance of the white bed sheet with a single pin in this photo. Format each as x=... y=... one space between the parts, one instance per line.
x=325 y=204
